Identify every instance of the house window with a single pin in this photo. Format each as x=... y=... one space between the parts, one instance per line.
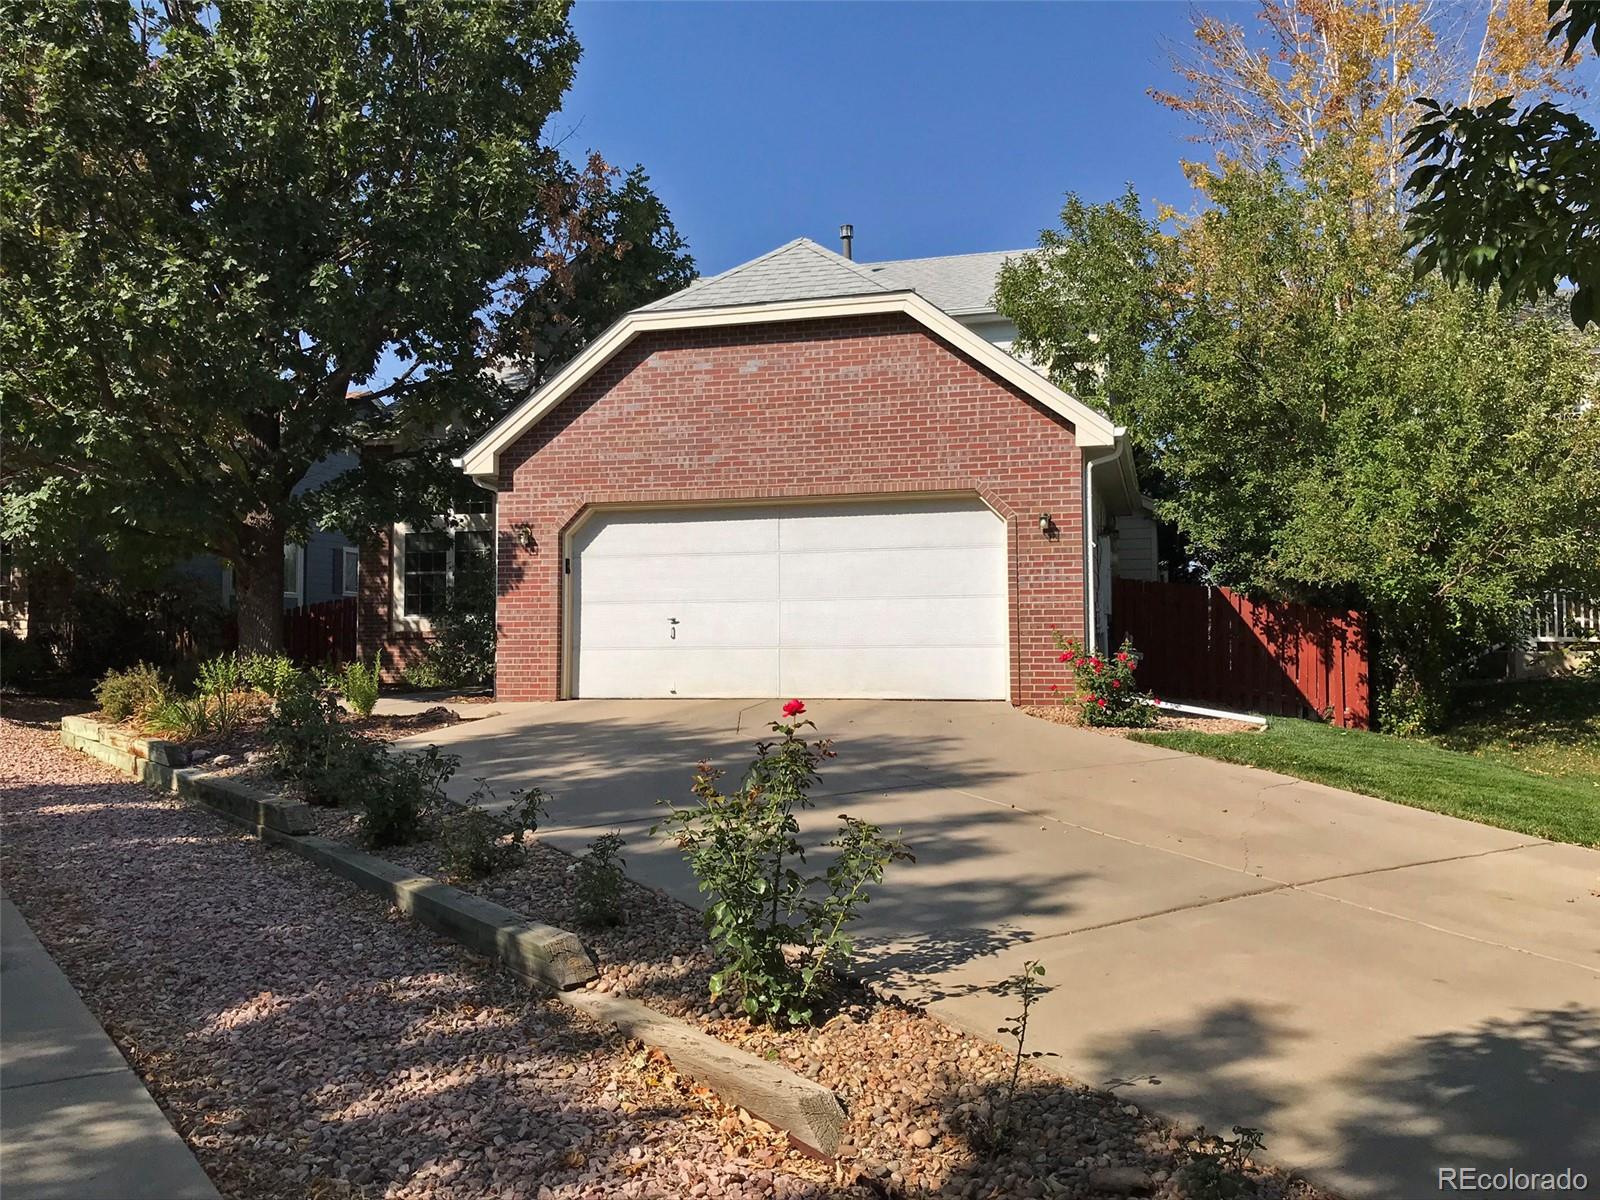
x=427 y=562
x=294 y=575
x=426 y=578
x=349 y=569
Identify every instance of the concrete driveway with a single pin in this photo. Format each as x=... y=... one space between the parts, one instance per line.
x=1382 y=990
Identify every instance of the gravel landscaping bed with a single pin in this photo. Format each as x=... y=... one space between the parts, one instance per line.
x=1065 y=714
x=910 y=1084
x=307 y=1042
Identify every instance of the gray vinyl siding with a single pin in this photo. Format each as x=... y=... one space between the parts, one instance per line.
x=323 y=552
x=1137 y=556
x=324 y=547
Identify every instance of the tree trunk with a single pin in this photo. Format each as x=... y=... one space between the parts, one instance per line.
x=258 y=589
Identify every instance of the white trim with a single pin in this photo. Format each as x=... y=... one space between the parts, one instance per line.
x=1091 y=546
x=451 y=523
x=482 y=459
x=349 y=579
x=298 y=594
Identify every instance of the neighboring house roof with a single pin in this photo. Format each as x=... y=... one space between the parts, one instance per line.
x=960 y=284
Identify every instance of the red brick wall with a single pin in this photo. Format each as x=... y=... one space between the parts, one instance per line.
x=374 y=632
x=841 y=407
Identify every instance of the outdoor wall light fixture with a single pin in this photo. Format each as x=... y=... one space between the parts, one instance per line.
x=525 y=538
x=1047 y=525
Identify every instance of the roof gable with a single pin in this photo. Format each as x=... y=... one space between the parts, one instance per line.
x=482 y=459
x=798 y=270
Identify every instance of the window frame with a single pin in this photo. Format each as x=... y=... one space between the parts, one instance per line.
x=298 y=593
x=349 y=570
x=452 y=523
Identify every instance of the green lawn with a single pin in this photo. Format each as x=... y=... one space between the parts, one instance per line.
x=1520 y=756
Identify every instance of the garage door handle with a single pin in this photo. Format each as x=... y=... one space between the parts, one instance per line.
x=673 y=621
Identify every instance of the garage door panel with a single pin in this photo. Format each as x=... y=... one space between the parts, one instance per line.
x=890 y=524
x=683 y=531
x=896 y=598
x=676 y=671
x=915 y=621
x=623 y=625
x=680 y=577
x=885 y=572
x=889 y=673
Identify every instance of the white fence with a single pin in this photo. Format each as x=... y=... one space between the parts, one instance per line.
x=1562 y=617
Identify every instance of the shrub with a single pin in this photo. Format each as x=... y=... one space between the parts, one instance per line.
x=403 y=796
x=271 y=674
x=1027 y=986
x=597 y=882
x=428 y=673
x=528 y=808
x=222 y=688
x=464 y=630
x=358 y=684
x=137 y=692
x=182 y=718
x=1105 y=691
x=1217 y=1167
x=462 y=650
x=745 y=853
x=314 y=749
x=475 y=843
x=22 y=661
x=478 y=843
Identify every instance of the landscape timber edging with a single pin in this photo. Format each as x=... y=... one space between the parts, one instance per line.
x=534 y=952
x=160 y=764
x=539 y=954
x=809 y=1112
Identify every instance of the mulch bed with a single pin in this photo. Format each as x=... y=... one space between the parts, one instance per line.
x=429 y=1089
x=308 y=1042
x=911 y=1084
x=1066 y=714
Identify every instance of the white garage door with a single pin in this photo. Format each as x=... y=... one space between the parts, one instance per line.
x=894 y=599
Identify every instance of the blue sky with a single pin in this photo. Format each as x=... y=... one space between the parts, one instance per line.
x=934 y=128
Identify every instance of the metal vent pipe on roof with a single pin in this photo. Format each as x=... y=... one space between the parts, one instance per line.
x=847 y=234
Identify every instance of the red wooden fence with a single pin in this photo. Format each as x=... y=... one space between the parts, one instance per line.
x=1212 y=646
x=321 y=633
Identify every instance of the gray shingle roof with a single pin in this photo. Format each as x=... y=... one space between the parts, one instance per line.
x=960 y=284
x=798 y=270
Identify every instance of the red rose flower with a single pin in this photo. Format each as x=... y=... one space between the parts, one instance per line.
x=1122 y=656
x=794 y=708
x=1116 y=683
x=1101 y=702
x=1064 y=657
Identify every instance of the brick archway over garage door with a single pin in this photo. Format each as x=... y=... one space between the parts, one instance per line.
x=838 y=408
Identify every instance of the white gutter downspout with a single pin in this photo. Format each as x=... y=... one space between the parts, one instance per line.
x=1091 y=550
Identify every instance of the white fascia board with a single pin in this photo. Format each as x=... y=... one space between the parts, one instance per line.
x=481 y=460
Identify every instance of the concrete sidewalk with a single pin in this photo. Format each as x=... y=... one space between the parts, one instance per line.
x=75 y=1121
x=1384 y=991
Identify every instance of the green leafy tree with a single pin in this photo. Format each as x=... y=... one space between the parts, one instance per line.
x=220 y=226
x=1509 y=199
x=1321 y=425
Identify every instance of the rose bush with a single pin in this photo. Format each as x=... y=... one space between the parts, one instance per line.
x=1104 y=688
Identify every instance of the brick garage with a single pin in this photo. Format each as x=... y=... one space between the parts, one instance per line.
x=840 y=407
